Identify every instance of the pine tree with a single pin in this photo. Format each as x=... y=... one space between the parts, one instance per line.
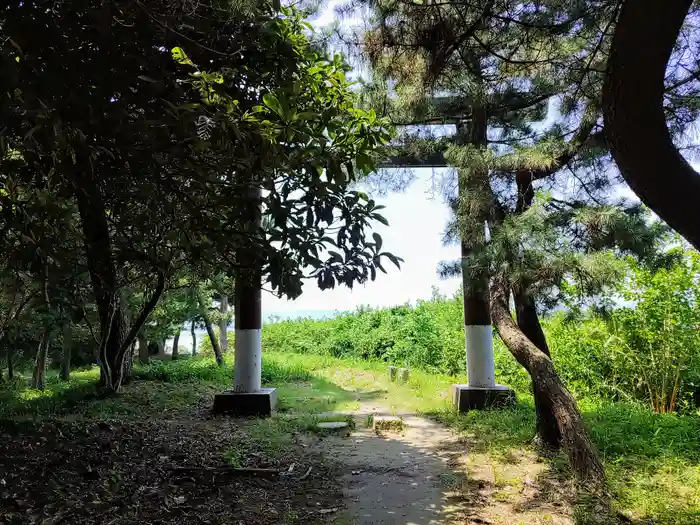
x=489 y=69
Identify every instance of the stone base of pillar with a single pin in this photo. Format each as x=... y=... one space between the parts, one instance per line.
x=242 y=404
x=467 y=397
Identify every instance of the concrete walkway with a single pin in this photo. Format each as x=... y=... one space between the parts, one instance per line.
x=399 y=478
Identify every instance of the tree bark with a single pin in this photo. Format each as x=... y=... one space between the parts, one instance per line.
x=204 y=312
x=582 y=454
x=194 y=338
x=223 y=323
x=176 y=350
x=103 y=275
x=633 y=111
x=548 y=434
x=144 y=356
x=39 y=371
x=67 y=350
x=10 y=363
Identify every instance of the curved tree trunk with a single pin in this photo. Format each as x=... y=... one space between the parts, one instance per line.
x=67 y=350
x=635 y=122
x=204 y=312
x=582 y=454
x=548 y=434
x=176 y=350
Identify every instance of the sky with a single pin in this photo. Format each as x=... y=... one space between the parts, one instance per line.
x=416 y=223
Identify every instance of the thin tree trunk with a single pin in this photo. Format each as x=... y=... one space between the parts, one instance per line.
x=635 y=118
x=39 y=371
x=223 y=323
x=204 y=312
x=548 y=435
x=3 y=344
x=67 y=350
x=194 y=338
x=10 y=362
x=176 y=351
x=144 y=356
x=582 y=454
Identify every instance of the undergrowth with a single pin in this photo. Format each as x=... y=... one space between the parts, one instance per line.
x=652 y=460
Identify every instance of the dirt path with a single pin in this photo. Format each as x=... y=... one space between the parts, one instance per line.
x=424 y=476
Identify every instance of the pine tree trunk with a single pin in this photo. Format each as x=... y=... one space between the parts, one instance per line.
x=194 y=338
x=39 y=371
x=582 y=454
x=548 y=434
x=67 y=350
x=176 y=350
x=204 y=312
x=635 y=118
x=223 y=324
x=144 y=356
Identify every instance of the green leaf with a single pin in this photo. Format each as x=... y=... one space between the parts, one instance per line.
x=393 y=258
x=335 y=256
x=380 y=218
x=181 y=57
x=378 y=241
x=272 y=102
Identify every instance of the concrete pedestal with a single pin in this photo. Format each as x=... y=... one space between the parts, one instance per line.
x=260 y=403
x=467 y=397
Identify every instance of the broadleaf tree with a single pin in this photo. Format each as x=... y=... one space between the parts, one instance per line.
x=107 y=106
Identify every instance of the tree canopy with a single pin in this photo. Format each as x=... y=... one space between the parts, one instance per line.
x=141 y=129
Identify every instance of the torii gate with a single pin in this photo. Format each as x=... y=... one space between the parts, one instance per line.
x=247 y=397
x=481 y=390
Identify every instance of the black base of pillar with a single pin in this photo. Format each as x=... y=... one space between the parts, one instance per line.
x=242 y=404
x=475 y=398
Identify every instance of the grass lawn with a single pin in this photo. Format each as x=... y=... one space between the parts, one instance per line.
x=652 y=460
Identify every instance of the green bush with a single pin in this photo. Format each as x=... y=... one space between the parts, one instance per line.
x=644 y=354
x=429 y=336
x=203 y=368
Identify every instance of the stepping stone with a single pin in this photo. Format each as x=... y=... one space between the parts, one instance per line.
x=332 y=416
x=387 y=423
x=332 y=426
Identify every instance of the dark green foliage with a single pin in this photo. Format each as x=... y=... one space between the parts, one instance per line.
x=429 y=336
